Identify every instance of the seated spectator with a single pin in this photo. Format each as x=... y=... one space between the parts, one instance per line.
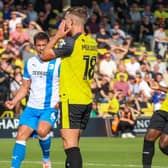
x=133 y=66
x=32 y=29
x=19 y=35
x=133 y=21
x=102 y=37
x=146 y=33
x=7 y=10
x=113 y=103
x=92 y=25
x=32 y=15
x=94 y=111
x=16 y=17
x=160 y=41
x=106 y=22
x=116 y=28
x=104 y=86
x=127 y=123
x=142 y=88
x=148 y=13
x=115 y=40
x=106 y=6
x=107 y=67
x=121 y=85
x=26 y=51
x=160 y=13
x=160 y=80
x=5 y=30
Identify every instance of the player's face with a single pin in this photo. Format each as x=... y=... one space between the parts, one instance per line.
x=40 y=45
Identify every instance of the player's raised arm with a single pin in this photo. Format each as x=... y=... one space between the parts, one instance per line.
x=49 y=53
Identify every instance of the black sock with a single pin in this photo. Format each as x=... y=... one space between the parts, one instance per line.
x=74 y=158
x=148 y=152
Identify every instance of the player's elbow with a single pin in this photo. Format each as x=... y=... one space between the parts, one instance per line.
x=47 y=55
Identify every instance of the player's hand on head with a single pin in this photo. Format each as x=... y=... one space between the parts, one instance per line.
x=63 y=29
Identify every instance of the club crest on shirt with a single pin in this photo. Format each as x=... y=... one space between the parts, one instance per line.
x=61 y=43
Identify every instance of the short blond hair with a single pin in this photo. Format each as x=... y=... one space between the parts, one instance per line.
x=79 y=12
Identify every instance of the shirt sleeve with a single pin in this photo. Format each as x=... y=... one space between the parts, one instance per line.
x=65 y=47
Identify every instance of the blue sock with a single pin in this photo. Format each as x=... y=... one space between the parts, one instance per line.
x=18 y=154
x=45 y=144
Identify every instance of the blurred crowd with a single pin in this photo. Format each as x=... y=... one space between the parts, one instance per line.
x=132 y=40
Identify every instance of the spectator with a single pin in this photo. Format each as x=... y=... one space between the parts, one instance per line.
x=32 y=29
x=5 y=30
x=116 y=28
x=133 y=66
x=159 y=66
x=32 y=15
x=14 y=87
x=102 y=37
x=107 y=67
x=7 y=11
x=16 y=17
x=95 y=10
x=113 y=103
x=42 y=21
x=121 y=9
x=133 y=21
x=160 y=80
x=26 y=51
x=106 y=6
x=160 y=14
x=148 y=13
x=160 y=41
x=19 y=35
x=127 y=123
x=92 y=25
x=142 y=88
x=106 y=22
x=146 y=33
x=121 y=85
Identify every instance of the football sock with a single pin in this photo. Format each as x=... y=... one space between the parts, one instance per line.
x=74 y=158
x=45 y=144
x=148 y=152
x=164 y=150
x=18 y=154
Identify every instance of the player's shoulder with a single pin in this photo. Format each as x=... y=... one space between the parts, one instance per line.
x=88 y=38
x=32 y=60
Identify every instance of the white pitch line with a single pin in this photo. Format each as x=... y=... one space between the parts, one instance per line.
x=86 y=164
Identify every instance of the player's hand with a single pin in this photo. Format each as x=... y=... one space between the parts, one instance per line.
x=9 y=104
x=63 y=30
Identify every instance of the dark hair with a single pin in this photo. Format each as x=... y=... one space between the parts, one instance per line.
x=41 y=36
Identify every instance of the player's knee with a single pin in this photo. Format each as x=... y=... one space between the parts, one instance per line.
x=151 y=135
x=42 y=133
x=164 y=149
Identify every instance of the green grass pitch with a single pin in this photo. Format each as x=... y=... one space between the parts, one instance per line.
x=97 y=153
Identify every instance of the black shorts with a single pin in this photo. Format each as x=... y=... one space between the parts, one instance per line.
x=74 y=116
x=159 y=121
